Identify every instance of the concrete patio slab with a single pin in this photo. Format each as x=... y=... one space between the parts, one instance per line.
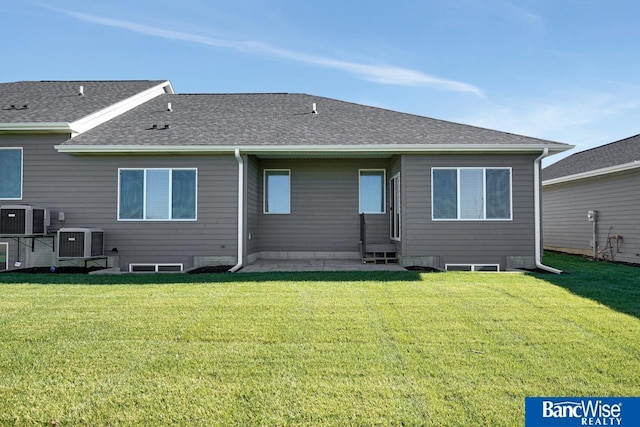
x=271 y=265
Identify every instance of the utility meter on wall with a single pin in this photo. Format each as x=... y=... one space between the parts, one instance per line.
x=592 y=216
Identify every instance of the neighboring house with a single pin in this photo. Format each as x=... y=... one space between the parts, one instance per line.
x=182 y=181
x=604 y=180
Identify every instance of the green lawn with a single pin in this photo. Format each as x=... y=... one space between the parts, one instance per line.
x=435 y=349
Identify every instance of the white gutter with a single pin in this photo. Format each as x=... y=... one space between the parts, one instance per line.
x=300 y=149
x=592 y=173
x=538 y=214
x=238 y=266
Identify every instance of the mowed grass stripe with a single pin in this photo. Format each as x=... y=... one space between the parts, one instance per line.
x=438 y=349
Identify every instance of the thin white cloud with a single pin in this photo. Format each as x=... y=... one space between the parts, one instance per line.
x=381 y=73
x=585 y=120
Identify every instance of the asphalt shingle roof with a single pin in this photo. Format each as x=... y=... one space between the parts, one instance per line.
x=283 y=120
x=616 y=153
x=59 y=101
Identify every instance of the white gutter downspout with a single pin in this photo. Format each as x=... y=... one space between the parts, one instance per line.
x=238 y=266
x=538 y=214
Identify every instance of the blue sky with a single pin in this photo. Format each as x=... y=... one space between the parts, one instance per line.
x=564 y=70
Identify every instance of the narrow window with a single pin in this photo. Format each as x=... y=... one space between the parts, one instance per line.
x=277 y=191
x=11 y=173
x=471 y=193
x=372 y=191
x=157 y=194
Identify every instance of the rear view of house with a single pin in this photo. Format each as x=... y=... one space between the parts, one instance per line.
x=164 y=181
x=591 y=202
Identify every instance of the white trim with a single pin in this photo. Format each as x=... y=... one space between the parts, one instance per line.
x=384 y=190
x=36 y=127
x=484 y=193
x=156 y=266
x=593 y=173
x=169 y=201
x=6 y=254
x=21 y=172
x=309 y=149
x=473 y=267
x=114 y=110
x=264 y=191
x=398 y=206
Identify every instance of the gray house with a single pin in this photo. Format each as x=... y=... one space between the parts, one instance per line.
x=179 y=181
x=591 y=202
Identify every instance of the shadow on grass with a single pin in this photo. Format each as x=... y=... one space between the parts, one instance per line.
x=156 y=279
x=615 y=285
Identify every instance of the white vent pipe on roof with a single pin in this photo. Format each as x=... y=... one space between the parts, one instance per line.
x=313 y=109
x=81 y=91
x=169 y=107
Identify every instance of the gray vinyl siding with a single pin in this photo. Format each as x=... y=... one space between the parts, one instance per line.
x=616 y=197
x=254 y=207
x=452 y=242
x=324 y=207
x=85 y=188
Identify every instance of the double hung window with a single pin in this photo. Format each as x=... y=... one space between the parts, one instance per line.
x=471 y=194
x=11 y=173
x=157 y=194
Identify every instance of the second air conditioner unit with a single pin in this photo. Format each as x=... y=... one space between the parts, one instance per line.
x=80 y=242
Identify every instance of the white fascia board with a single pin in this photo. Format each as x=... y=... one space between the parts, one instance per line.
x=308 y=149
x=596 y=172
x=114 y=110
x=36 y=127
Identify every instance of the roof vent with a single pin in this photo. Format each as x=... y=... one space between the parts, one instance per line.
x=25 y=107
x=169 y=107
x=81 y=91
x=313 y=109
x=166 y=127
x=153 y=127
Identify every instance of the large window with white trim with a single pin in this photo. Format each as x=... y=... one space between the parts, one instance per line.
x=372 y=191
x=11 y=173
x=157 y=194
x=277 y=191
x=471 y=194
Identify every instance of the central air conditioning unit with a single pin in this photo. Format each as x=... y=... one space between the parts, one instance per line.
x=80 y=242
x=23 y=220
